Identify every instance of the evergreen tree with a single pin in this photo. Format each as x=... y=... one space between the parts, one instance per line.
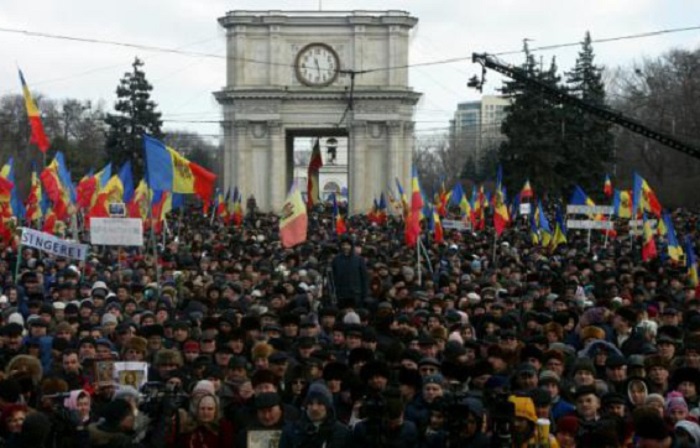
x=135 y=115
x=532 y=129
x=588 y=139
x=469 y=169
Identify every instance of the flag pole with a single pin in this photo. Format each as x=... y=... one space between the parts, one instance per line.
x=150 y=218
x=420 y=277
x=19 y=260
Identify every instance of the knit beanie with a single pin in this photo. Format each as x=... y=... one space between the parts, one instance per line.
x=675 y=400
x=320 y=393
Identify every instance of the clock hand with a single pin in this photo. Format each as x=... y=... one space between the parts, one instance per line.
x=318 y=68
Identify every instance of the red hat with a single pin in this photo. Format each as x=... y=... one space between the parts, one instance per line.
x=568 y=424
x=191 y=346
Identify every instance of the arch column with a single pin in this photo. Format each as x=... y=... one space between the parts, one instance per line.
x=278 y=160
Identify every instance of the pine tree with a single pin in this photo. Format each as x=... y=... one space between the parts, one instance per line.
x=531 y=126
x=135 y=115
x=588 y=140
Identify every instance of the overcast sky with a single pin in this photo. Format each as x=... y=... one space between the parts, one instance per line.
x=446 y=29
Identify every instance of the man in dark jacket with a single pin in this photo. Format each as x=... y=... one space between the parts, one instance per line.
x=318 y=428
x=386 y=430
x=349 y=276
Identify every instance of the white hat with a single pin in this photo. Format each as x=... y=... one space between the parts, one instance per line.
x=99 y=285
x=59 y=306
x=474 y=298
x=3 y=299
x=16 y=318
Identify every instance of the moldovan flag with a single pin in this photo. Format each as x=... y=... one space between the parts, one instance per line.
x=340 y=227
x=38 y=136
x=648 y=243
x=166 y=170
x=294 y=221
x=622 y=203
x=34 y=199
x=691 y=262
x=644 y=199
x=312 y=186
x=675 y=251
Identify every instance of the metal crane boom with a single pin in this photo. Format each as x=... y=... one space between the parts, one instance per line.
x=615 y=117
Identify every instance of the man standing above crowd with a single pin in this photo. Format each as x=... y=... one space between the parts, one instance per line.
x=349 y=276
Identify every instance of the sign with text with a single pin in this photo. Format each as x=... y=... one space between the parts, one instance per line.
x=454 y=224
x=588 y=224
x=53 y=245
x=116 y=231
x=525 y=209
x=589 y=209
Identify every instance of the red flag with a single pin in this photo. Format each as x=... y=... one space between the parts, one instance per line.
x=315 y=165
x=607 y=188
x=648 y=245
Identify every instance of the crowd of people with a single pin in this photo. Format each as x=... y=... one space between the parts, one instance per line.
x=346 y=341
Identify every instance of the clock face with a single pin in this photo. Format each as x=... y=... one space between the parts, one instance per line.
x=317 y=65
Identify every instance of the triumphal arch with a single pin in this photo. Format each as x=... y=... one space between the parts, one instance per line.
x=316 y=73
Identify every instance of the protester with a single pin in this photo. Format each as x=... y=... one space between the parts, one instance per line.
x=346 y=341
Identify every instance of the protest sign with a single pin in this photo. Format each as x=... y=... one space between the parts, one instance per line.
x=53 y=245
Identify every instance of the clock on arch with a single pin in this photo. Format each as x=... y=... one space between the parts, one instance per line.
x=317 y=65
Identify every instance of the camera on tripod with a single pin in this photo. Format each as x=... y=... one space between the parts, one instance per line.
x=160 y=397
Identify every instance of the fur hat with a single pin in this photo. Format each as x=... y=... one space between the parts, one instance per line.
x=136 y=343
x=592 y=332
x=262 y=350
x=439 y=333
x=168 y=356
x=25 y=364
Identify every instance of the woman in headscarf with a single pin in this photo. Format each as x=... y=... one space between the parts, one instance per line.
x=208 y=429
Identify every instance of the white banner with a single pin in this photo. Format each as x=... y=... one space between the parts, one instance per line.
x=525 y=209
x=595 y=225
x=589 y=209
x=116 y=231
x=53 y=245
x=454 y=224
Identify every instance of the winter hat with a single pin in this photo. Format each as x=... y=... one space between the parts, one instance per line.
x=136 y=343
x=351 y=318
x=651 y=398
x=583 y=364
x=320 y=393
x=109 y=318
x=35 y=430
x=456 y=337
x=675 y=400
x=434 y=379
x=549 y=376
x=15 y=318
x=115 y=411
x=204 y=386
x=568 y=424
x=125 y=392
x=691 y=428
x=592 y=332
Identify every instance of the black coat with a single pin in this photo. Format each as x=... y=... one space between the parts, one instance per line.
x=366 y=436
x=350 y=277
x=303 y=434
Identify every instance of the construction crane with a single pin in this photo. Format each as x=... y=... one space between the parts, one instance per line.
x=518 y=74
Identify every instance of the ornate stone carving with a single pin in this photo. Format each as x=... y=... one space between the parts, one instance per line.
x=375 y=129
x=274 y=127
x=375 y=108
x=394 y=127
x=241 y=125
x=259 y=129
x=258 y=108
